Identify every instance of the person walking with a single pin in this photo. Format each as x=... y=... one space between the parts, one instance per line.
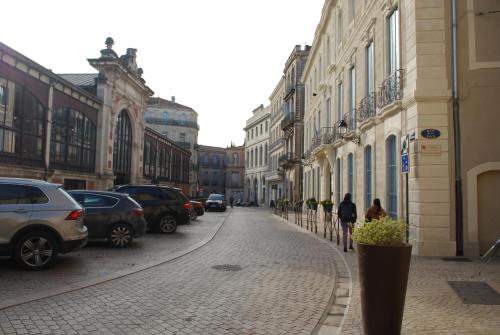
x=348 y=215
x=231 y=200
x=375 y=212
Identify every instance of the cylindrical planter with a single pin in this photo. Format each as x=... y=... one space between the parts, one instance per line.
x=383 y=277
x=328 y=208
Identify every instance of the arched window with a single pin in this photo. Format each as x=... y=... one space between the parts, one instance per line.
x=392 y=176
x=368 y=176
x=260 y=155
x=350 y=174
x=22 y=125
x=72 y=141
x=122 y=153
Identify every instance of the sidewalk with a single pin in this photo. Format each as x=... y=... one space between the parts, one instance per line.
x=432 y=306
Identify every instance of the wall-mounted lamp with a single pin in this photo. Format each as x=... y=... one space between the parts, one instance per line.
x=342 y=132
x=314 y=94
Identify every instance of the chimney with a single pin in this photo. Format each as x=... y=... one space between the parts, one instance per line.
x=173 y=98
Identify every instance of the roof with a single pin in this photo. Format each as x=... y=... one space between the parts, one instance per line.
x=80 y=79
x=157 y=101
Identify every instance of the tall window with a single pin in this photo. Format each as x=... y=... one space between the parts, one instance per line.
x=265 y=154
x=392 y=177
x=370 y=81
x=350 y=173
x=261 y=128
x=122 y=152
x=328 y=111
x=318 y=181
x=182 y=137
x=352 y=97
x=73 y=140
x=251 y=157
x=247 y=160
x=340 y=105
x=393 y=42
x=338 y=180
x=267 y=126
x=368 y=176
x=149 y=157
x=22 y=124
x=314 y=183
x=260 y=153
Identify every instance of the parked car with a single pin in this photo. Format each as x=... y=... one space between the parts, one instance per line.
x=111 y=216
x=198 y=207
x=215 y=202
x=38 y=220
x=164 y=207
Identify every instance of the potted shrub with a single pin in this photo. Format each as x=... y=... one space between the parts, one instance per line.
x=327 y=205
x=383 y=263
x=312 y=203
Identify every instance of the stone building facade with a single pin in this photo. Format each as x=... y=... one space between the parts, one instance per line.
x=235 y=172
x=379 y=80
x=180 y=124
x=274 y=176
x=292 y=124
x=256 y=154
x=211 y=170
x=80 y=130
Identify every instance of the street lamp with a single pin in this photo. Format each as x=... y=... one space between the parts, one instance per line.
x=342 y=132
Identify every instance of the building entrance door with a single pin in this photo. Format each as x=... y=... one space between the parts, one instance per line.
x=488 y=189
x=122 y=150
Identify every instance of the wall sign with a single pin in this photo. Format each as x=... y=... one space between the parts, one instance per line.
x=430 y=133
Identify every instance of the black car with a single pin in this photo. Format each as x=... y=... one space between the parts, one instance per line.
x=110 y=216
x=164 y=207
x=215 y=202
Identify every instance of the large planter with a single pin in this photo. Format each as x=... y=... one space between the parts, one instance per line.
x=313 y=206
x=383 y=277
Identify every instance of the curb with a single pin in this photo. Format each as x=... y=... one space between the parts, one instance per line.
x=333 y=317
x=112 y=276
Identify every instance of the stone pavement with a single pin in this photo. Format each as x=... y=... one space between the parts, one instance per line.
x=432 y=307
x=98 y=262
x=256 y=276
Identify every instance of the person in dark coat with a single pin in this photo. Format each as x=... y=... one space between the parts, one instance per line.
x=348 y=216
x=375 y=212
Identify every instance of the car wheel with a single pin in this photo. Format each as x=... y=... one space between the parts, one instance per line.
x=36 y=250
x=120 y=235
x=168 y=224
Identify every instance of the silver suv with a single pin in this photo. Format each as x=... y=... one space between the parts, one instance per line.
x=38 y=220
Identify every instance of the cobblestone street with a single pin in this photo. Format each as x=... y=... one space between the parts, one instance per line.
x=256 y=276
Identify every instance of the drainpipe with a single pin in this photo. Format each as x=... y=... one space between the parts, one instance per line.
x=459 y=226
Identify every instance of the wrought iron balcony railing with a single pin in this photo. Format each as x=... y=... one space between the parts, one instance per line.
x=288 y=120
x=350 y=120
x=286 y=159
x=328 y=135
x=391 y=89
x=276 y=143
x=367 y=107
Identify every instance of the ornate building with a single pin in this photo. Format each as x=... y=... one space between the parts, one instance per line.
x=212 y=170
x=235 y=172
x=256 y=155
x=381 y=82
x=81 y=130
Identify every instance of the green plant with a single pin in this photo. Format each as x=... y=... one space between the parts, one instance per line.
x=383 y=232
x=326 y=202
x=311 y=201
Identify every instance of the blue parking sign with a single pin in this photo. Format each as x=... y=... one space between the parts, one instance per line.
x=405 y=163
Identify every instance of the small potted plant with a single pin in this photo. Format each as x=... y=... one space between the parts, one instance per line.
x=312 y=203
x=383 y=263
x=327 y=205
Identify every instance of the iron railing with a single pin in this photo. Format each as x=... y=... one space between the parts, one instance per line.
x=391 y=89
x=328 y=135
x=287 y=120
x=276 y=143
x=350 y=120
x=367 y=107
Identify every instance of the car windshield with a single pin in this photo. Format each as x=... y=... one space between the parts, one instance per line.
x=216 y=197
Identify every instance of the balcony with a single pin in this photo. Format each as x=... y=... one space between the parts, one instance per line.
x=171 y=122
x=276 y=144
x=367 y=107
x=350 y=120
x=287 y=121
x=391 y=89
x=327 y=135
x=287 y=160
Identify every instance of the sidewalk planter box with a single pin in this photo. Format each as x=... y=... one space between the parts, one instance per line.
x=383 y=277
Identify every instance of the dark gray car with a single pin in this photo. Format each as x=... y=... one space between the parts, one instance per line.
x=111 y=216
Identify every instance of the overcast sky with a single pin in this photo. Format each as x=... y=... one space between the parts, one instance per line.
x=223 y=58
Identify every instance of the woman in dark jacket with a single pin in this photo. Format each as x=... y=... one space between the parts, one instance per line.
x=347 y=214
